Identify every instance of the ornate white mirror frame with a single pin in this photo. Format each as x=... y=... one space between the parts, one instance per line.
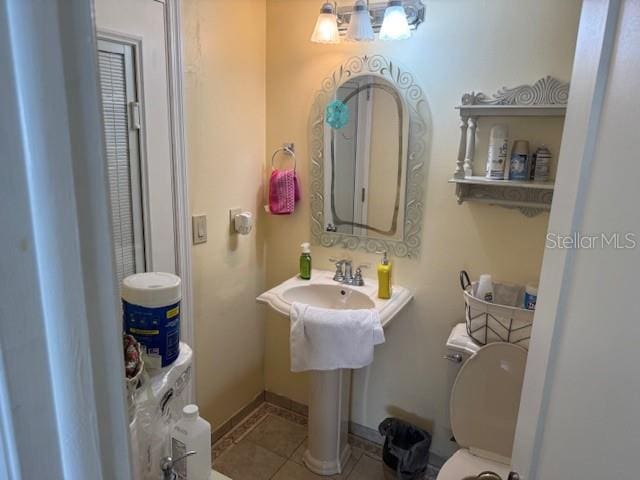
x=415 y=103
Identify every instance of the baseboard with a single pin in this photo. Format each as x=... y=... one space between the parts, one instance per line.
x=366 y=433
x=285 y=402
x=218 y=432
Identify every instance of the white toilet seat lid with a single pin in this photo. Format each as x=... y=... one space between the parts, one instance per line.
x=463 y=464
x=486 y=397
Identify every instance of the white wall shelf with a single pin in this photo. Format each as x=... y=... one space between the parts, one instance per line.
x=531 y=198
x=512 y=110
x=545 y=98
x=477 y=180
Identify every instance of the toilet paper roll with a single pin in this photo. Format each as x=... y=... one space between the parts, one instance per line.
x=243 y=223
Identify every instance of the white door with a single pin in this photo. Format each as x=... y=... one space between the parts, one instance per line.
x=580 y=411
x=141 y=26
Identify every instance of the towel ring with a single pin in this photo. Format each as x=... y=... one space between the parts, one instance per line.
x=287 y=148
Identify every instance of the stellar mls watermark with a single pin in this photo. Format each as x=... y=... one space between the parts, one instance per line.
x=592 y=241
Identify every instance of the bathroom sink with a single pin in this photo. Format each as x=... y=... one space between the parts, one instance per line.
x=329 y=390
x=337 y=297
x=322 y=291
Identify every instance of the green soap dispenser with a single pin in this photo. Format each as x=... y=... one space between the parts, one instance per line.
x=305 y=261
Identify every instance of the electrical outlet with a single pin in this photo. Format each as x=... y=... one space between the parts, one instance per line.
x=199 y=228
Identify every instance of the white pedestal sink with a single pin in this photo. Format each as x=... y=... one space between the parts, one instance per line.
x=329 y=397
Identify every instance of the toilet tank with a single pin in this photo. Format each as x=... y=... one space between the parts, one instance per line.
x=460 y=346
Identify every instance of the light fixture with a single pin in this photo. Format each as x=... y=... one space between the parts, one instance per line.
x=395 y=25
x=360 y=29
x=393 y=19
x=326 y=30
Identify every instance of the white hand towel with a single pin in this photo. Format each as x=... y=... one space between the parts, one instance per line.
x=326 y=339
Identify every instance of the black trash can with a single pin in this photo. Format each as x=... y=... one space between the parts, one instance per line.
x=406 y=448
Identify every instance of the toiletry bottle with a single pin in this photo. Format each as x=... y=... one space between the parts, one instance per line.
x=541 y=171
x=384 y=278
x=530 y=296
x=305 y=261
x=532 y=164
x=485 y=288
x=498 y=146
x=519 y=164
x=192 y=433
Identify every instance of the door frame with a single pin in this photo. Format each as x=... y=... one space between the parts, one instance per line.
x=61 y=388
x=179 y=169
x=594 y=48
x=182 y=212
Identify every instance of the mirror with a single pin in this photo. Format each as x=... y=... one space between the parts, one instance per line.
x=365 y=160
x=368 y=143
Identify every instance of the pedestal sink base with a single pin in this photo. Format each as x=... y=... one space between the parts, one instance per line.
x=328 y=448
x=327 y=468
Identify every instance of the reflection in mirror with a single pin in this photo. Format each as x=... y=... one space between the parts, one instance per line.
x=368 y=147
x=364 y=170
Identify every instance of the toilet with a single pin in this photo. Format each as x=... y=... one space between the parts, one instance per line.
x=484 y=409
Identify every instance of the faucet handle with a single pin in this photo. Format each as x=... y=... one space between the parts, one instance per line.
x=339 y=275
x=167 y=463
x=358 y=281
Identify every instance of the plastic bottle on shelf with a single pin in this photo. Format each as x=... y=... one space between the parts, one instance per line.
x=519 y=163
x=541 y=171
x=498 y=148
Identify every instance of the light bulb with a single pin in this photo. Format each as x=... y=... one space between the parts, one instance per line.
x=360 y=29
x=326 y=30
x=395 y=25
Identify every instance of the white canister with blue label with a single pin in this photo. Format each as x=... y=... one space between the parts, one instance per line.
x=530 y=296
x=151 y=313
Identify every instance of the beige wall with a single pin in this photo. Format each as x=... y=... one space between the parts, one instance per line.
x=225 y=123
x=464 y=45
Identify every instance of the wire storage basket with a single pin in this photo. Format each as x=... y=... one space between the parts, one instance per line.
x=502 y=320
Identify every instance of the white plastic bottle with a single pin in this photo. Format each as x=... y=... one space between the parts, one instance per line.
x=192 y=433
x=498 y=146
x=485 y=288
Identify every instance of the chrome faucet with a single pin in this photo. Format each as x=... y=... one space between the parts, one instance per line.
x=347 y=269
x=167 y=464
x=344 y=273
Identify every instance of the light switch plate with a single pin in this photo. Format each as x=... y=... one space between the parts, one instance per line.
x=199 y=228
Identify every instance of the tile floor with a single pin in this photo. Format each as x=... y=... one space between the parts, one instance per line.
x=270 y=443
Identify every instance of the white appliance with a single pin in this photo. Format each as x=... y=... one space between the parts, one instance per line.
x=158 y=406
